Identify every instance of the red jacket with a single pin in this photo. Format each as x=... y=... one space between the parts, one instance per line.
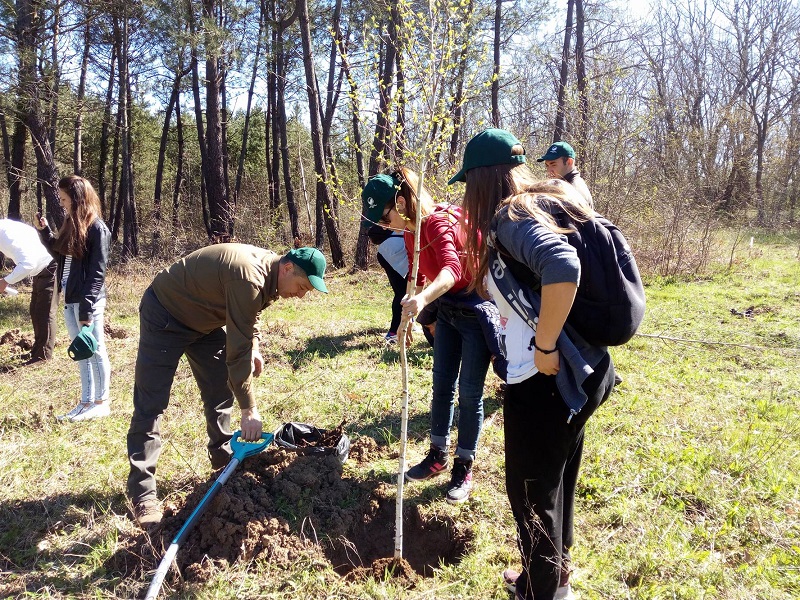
x=442 y=247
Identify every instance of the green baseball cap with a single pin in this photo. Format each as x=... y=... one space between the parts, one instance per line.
x=84 y=345
x=377 y=193
x=558 y=150
x=488 y=148
x=313 y=263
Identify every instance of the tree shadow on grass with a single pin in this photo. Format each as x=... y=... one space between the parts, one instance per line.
x=32 y=554
x=386 y=431
x=326 y=347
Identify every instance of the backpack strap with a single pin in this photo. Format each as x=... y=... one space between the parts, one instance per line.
x=507 y=283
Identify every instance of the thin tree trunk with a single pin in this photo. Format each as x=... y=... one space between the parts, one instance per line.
x=123 y=198
x=114 y=208
x=198 y=118
x=179 y=178
x=361 y=258
x=231 y=210
x=382 y=128
x=335 y=77
x=213 y=167
x=14 y=160
x=56 y=77
x=458 y=97
x=400 y=145
x=291 y=204
x=246 y=129
x=162 y=152
x=130 y=227
x=13 y=207
x=274 y=130
x=103 y=159
x=77 y=145
x=561 y=100
x=580 y=73
x=498 y=20
x=323 y=198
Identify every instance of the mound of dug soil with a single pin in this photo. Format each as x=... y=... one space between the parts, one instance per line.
x=281 y=507
x=13 y=337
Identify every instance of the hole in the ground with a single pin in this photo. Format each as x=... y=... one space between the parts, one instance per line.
x=428 y=542
x=281 y=508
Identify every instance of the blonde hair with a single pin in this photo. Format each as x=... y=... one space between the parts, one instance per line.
x=84 y=211
x=409 y=182
x=491 y=188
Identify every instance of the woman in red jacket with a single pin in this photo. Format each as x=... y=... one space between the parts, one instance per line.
x=460 y=354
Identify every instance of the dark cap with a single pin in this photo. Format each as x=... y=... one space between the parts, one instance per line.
x=377 y=193
x=558 y=150
x=313 y=263
x=488 y=148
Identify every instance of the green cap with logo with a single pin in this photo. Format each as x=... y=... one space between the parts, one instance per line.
x=557 y=150
x=377 y=193
x=84 y=345
x=490 y=147
x=313 y=263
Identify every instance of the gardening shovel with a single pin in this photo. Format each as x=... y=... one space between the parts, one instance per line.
x=241 y=450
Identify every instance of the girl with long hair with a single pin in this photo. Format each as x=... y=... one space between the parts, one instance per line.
x=82 y=246
x=511 y=218
x=460 y=352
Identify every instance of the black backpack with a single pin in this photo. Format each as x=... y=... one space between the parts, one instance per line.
x=609 y=304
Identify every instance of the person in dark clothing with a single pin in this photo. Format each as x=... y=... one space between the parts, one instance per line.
x=554 y=383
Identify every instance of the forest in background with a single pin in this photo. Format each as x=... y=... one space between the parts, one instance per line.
x=214 y=120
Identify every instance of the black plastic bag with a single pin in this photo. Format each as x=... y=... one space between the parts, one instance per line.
x=305 y=439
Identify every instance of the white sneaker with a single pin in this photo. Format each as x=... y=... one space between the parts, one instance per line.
x=95 y=411
x=565 y=593
x=82 y=406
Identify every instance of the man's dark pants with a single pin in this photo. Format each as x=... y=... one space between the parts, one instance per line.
x=43 y=309
x=162 y=342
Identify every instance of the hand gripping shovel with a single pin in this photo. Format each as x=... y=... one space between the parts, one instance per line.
x=241 y=450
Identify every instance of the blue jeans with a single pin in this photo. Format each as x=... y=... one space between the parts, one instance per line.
x=459 y=354
x=95 y=371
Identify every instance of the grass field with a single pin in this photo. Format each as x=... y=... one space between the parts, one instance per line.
x=690 y=486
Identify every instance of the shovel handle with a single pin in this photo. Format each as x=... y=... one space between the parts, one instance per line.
x=201 y=508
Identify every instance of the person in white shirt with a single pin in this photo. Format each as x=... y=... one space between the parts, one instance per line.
x=20 y=243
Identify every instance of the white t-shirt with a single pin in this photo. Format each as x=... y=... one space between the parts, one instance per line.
x=21 y=243
x=516 y=338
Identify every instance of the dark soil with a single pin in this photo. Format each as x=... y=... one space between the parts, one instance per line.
x=116 y=333
x=328 y=439
x=13 y=337
x=282 y=507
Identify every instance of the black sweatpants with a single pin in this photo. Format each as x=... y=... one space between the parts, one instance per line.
x=543 y=456
x=399 y=285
